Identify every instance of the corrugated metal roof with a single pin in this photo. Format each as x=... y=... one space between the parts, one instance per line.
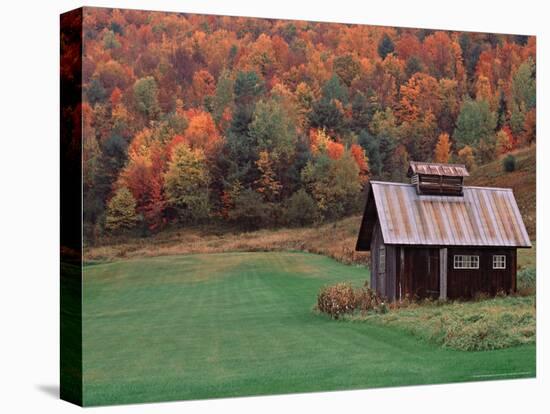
x=431 y=168
x=482 y=217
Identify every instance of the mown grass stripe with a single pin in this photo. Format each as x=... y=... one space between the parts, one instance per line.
x=221 y=325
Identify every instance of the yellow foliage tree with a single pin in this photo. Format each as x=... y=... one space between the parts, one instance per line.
x=267 y=184
x=121 y=211
x=466 y=157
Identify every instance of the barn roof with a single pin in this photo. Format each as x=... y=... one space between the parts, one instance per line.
x=482 y=217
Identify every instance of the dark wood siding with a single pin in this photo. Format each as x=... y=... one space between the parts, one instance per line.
x=383 y=282
x=415 y=271
x=466 y=283
x=376 y=242
x=391 y=271
x=401 y=287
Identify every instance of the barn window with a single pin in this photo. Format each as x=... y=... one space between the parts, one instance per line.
x=499 y=261
x=466 y=261
x=382 y=259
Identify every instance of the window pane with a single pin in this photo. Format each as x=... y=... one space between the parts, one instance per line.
x=463 y=261
x=499 y=261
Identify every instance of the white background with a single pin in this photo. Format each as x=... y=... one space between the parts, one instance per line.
x=29 y=206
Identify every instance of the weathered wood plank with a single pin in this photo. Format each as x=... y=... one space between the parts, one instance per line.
x=443 y=253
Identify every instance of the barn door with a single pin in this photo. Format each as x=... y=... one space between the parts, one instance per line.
x=426 y=273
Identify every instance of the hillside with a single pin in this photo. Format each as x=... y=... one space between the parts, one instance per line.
x=187 y=116
x=336 y=240
x=522 y=181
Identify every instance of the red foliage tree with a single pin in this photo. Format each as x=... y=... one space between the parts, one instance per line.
x=407 y=46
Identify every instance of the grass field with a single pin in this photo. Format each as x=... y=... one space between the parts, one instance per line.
x=229 y=324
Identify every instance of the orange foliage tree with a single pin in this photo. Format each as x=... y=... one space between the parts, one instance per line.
x=443 y=149
x=201 y=133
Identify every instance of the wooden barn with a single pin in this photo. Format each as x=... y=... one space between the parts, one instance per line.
x=437 y=238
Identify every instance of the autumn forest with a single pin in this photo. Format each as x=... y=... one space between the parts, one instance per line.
x=189 y=119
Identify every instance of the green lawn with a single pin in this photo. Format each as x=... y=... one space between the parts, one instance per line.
x=220 y=325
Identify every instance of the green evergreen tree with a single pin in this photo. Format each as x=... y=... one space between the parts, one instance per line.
x=334 y=89
x=248 y=87
x=326 y=114
x=413 y=65
x=95 y=92
x=360 y=112
x=385 y=46
x=371 y=145
x=241 y=147
x=327 y=111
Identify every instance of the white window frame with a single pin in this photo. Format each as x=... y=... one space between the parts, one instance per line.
x=499 y=261
x=465 y=261
x=382 y=259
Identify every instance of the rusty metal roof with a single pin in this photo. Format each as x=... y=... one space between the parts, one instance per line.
x=431 y=168
x=482 y=217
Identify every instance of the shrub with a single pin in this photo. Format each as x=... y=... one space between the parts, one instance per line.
x=509 y=163
x=367 y=299
x=301 y=209
x=527 y=281
x=250 y=210
x=336 y=300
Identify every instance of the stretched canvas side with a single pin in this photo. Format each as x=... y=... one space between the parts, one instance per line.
x=71 y=207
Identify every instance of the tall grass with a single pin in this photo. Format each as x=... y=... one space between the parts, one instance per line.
x=468 y=326
x=336 y=240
